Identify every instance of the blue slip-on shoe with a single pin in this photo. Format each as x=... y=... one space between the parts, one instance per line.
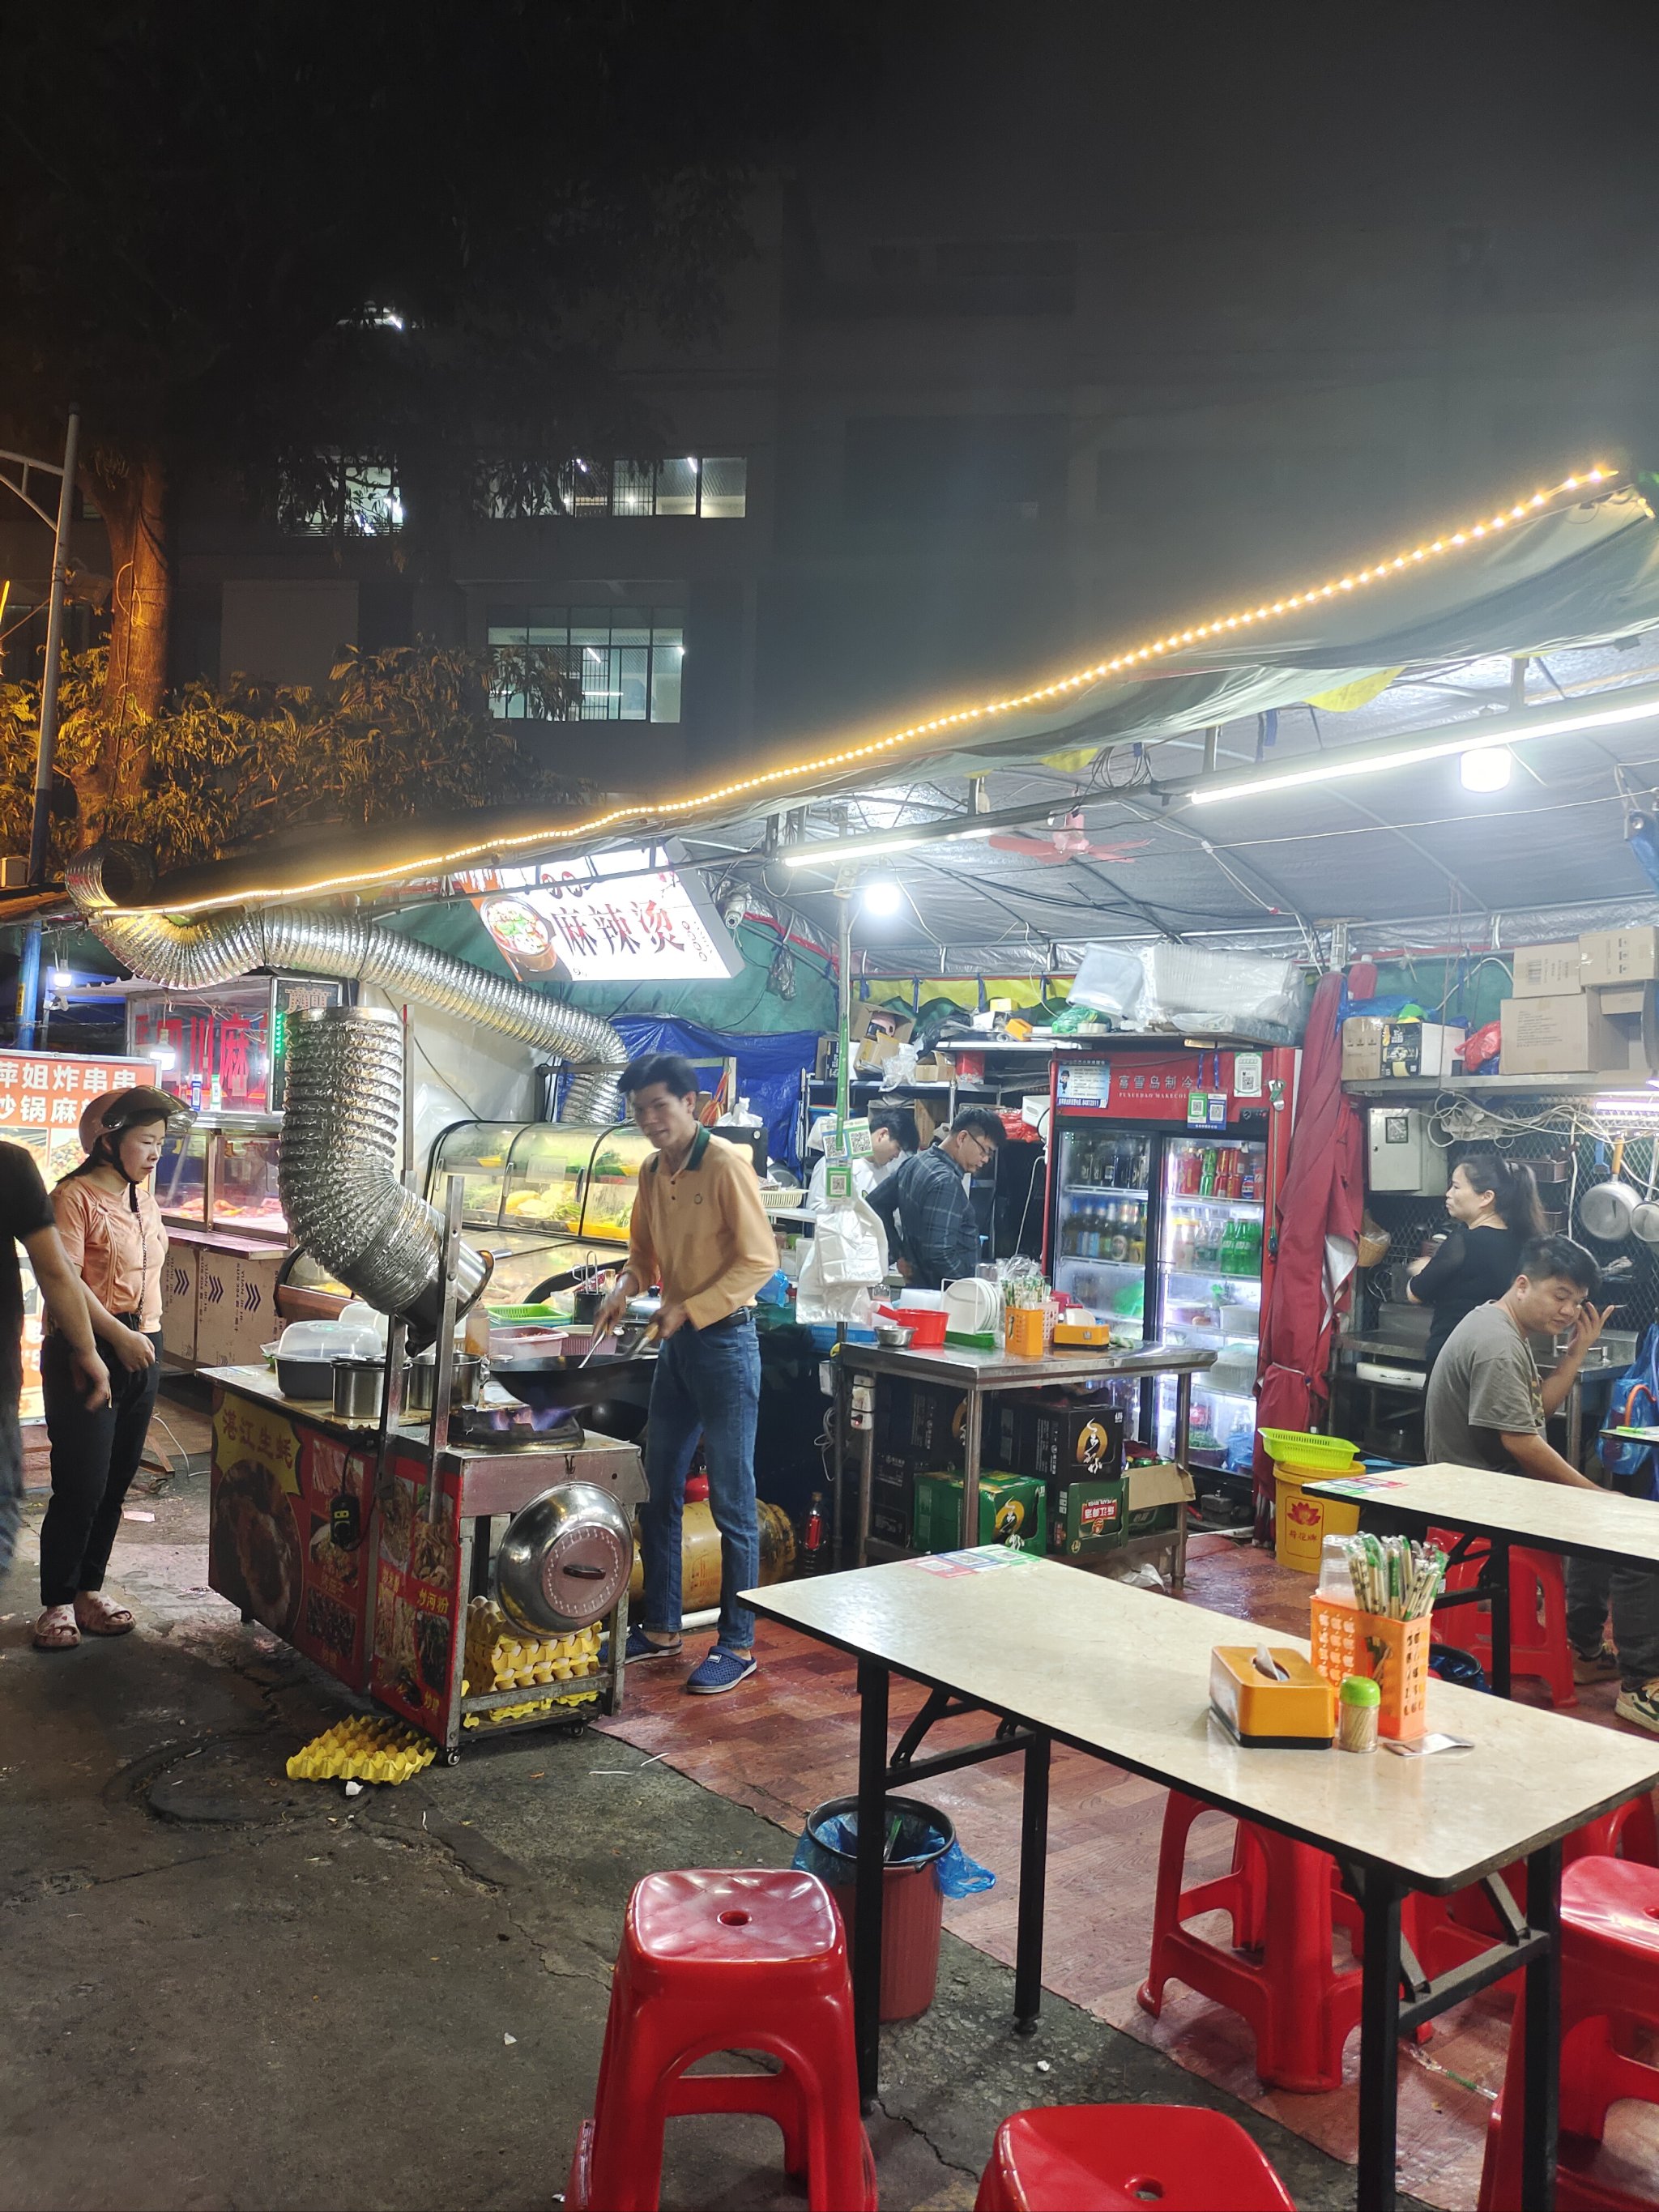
x=720 y=1670
x=638 y=1646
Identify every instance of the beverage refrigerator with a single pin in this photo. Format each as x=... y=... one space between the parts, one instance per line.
x=1164 y=1170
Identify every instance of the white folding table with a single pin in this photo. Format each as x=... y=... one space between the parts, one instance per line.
x=1505 y=1509
x=1122 y=1674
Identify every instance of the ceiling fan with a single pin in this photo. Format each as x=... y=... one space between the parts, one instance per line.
x=1068 y=841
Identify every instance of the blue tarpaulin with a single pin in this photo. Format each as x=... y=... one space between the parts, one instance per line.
x=768 y=1068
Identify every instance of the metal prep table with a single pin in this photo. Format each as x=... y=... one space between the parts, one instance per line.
x=387 y=1613
x=978 y=1374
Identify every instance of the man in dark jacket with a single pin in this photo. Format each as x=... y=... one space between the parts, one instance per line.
x=924 y=1206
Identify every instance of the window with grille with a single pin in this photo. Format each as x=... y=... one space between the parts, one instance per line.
x=617 y=664
x=708 y=489
x=336 y=496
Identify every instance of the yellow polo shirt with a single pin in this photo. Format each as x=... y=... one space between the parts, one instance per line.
x=702 y=1233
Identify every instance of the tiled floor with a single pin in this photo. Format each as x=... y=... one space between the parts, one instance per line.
x=788 y=1738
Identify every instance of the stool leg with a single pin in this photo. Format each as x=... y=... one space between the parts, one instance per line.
x=1293 y=2046
x=1179 y=1814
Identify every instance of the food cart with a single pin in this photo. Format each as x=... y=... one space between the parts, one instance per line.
x=360 y=1576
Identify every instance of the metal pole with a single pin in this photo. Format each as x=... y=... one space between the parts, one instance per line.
x=39 y=833
x=28 y=987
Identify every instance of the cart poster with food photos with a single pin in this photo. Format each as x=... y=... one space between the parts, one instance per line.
x=416 y=1597
x=289 y=1528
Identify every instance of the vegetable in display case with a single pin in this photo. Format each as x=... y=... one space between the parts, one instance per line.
x=541 y=1196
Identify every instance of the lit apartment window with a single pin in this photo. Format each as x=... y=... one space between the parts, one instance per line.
x=341 y=498
x=622 y=663
x=710 y=488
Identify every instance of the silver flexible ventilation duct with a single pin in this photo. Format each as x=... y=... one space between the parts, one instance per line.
x=310 y=941
x=338 y=1170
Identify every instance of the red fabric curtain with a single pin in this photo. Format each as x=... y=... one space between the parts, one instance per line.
x=1318 y=1222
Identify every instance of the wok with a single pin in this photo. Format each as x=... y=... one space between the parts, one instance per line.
x=607 y=1378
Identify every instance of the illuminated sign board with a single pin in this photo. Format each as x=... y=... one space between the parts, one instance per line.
x=614 y=918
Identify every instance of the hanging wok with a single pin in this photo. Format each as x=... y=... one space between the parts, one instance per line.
x=1607 y=1210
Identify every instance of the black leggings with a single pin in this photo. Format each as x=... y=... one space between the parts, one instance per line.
x=95 y=1457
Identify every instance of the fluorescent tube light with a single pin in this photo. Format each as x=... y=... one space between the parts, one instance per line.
x=1444 y=743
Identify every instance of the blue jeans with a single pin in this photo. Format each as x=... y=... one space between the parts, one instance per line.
x=708 y=1385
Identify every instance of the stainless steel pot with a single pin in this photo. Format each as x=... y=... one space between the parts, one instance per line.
x=357 y=1388
x=1606 y=1212
x=420 y=1379
x=564 y=1561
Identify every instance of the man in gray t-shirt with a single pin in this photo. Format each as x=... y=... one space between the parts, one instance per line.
x=1486 y=1406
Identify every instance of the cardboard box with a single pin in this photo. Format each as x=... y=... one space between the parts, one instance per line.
x=1159 y=1493
x=1008 y=1432
x=235 y=1305
x=874 y=1052
x=922 y=1422
x=179 y=1295
x=1619 y=955
x=1088 y=1519
x=867 y=1019
x=1568 y=1036
x=892 y=1498
x=1012 y=1510
x=1068 y=1442
x=1374 y=1049
x=1547 y=971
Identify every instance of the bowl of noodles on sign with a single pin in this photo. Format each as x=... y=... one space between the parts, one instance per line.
x=523 y=935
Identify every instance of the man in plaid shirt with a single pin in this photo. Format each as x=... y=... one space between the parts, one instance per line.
x=924 y=1204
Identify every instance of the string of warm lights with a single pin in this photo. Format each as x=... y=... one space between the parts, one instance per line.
x=1222 y=627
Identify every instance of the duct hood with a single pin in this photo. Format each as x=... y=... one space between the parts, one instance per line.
x=312 y=941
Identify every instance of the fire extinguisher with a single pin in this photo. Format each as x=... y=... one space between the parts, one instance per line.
x=812 y=1538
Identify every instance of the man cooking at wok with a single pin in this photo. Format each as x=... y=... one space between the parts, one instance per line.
x=699 y=1228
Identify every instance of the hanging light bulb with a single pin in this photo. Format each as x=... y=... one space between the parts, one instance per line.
x=882 y=896
x=1485 y=770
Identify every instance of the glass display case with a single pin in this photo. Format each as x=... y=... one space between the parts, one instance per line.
x=220 y=1174
x=543 y=1178
x=541 y=1196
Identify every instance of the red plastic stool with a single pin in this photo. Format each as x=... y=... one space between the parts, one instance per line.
x=1277 y=1896
x=1538 y=1648
x=728 y=1961
x=1098 y=2158
x=1446 y=1930
x=1610 y=1986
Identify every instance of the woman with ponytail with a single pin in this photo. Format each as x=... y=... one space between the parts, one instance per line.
x=1494 y=1203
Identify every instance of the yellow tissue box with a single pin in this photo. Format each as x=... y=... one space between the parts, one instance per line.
x=1299 y=1715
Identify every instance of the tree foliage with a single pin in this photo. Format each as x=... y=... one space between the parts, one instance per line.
x=391 y=735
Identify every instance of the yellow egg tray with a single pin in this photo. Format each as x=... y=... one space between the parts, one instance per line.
x=362 y=1749
x=508 y=1661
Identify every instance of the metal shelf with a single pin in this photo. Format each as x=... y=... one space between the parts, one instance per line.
x=1410 y=1088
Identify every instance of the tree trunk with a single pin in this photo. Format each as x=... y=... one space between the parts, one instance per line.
x=136 y=504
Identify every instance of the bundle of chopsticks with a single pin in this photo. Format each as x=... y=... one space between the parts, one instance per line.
x=1394 y=1577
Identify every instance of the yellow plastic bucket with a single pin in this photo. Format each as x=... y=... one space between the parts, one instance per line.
x=1301 y=1524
